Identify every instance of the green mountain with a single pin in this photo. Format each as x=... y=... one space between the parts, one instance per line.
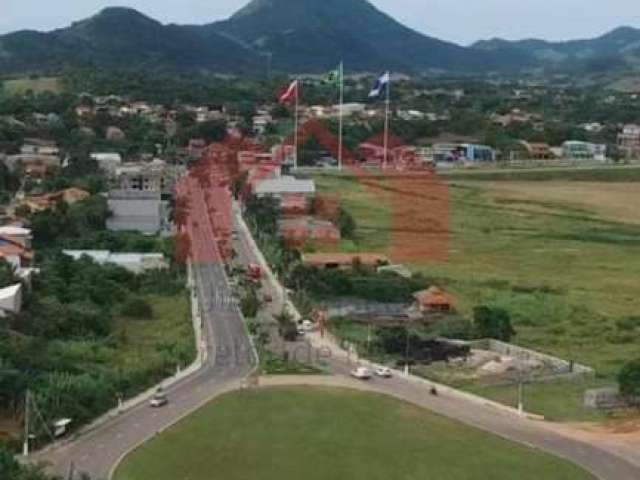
x=121 y=37
x=311 y=35
x=300 y=36
x=618 y=48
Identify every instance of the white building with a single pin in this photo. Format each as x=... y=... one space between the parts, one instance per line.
x=136 y=211
x=11 y=299
x=18 y=234
x=108 y=162
x=285 y=185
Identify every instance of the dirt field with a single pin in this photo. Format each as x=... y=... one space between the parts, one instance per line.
x=607 y=201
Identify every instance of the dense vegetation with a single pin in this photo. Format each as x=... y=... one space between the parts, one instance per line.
x=62 y=345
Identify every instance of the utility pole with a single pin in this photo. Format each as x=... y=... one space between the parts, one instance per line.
x=25 y=445
x=406 y=355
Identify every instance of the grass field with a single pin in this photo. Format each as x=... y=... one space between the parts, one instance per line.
x=313 y=433
x=147 y=345
x=563 y=257
x=36 y=85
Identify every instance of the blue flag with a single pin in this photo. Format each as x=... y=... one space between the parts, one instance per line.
x=381 y=85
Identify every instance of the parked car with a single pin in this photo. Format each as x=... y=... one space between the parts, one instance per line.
x=307 y=325
x=361 y=373
x=159 y=399
x=384 y=372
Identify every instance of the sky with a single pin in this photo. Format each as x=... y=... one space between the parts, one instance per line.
x=460 y=21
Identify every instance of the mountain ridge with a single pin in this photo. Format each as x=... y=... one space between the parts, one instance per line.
x=301 y=36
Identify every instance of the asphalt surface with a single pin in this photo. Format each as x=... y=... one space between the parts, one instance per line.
x=229 y=360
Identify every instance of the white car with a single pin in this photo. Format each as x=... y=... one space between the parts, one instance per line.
x=361 y=373
x=384 y=372
x=158 y=400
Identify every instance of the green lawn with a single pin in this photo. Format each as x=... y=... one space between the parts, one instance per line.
x=37 y=85
x=313 y=433
x=154 y=348
x=567 y=274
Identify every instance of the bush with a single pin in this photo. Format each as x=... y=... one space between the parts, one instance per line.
x=137 y=307
x=629 y=379
x=493 y=323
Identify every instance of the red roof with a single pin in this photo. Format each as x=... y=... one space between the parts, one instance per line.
x=434 y=297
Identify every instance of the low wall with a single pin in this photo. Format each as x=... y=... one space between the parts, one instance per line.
x=563 y=367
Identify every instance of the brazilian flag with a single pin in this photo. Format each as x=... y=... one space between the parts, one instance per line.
x=334 y=77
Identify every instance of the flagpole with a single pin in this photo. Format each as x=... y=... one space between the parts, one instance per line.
x=386 y=126
x=341 y=121
x=295 y=138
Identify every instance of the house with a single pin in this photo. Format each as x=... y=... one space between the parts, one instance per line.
x=29 y=160
x=533 y=151
x=134 y=262
x=38 y=146
x=154 y=176
x=17 y=233
x=115 y=134
x=11 y=300
x=444 y=153
x=594 y=127
x=137 y=211
x=196 y=147
x=260 y=123
x=294 y=205
x=15 y=253
x=434 y=299
x=512 y=118
x=629 y=141
x=576 y=150
x=299 y=232
x=108 y=162
x=285 y=185
x=69 y=196
x=344 y=261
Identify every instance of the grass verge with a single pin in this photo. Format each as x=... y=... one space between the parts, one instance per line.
x=317 y=433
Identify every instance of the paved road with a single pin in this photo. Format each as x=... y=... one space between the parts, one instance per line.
x=230 y=359
x=600 y=462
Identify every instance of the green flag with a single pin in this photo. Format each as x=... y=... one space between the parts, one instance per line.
x=333 y=77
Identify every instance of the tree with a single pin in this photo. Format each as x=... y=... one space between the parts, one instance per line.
x=629 y=380
x=493 y=323
x=137 y=307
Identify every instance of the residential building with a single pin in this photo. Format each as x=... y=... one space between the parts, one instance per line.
x=434 y=300
x=108 y=162
x=134 y=262
x=41 y=203
x=532 y=151
x=15 y=253
x=11 y=300
x=344 y=261
x=33 y=162
x=115 y=134
x=463 y=152
x=154 y=176
x=260 y=123
x=38 y=146
x=137 y=211
x=285 y=185
x=629 y=141
x=17 y=233
x=299 y=232
x=294 y=205
x=576 y=150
